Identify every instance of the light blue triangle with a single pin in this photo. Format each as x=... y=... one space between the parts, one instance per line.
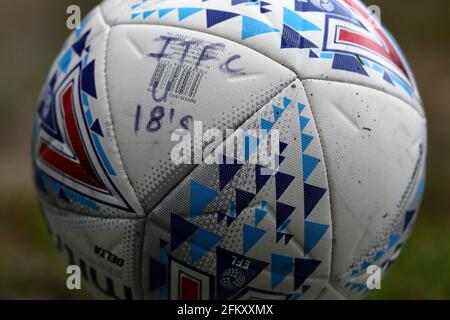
x=201 y=197
x=286 y=102
x=378 y=255
x=147 y=14
x=303 y=122
x=264 y=204
x=260 y=214
x=281 y=267
x=301 y=107
x=134 y=15
x=266 y=125
x=309 y=164
x=277 y=112
x=251 y=236
x=65 y=60
x=298 y=23
x=252 y=27
x=393 y=239
x=306 y=141
x=202 y=242
x=163 y=12
x=184 y=13
x=313 y=233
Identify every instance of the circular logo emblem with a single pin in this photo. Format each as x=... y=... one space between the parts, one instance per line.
x=232 y=279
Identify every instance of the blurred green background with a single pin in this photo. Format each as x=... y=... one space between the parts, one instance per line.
x=31 y=34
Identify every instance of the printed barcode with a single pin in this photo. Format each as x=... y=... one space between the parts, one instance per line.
x=180 y=79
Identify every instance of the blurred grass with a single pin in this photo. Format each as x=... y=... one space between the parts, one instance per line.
x=30 y=266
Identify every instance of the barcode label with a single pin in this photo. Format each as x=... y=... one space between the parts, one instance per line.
x=177 y=79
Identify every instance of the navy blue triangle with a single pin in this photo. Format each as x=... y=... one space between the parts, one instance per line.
x=303 y=268
x=292 y=39
x=88 y=79
x=214 y=17
x=348 y=63
x=287 y=238
x=280 y=236
x=261 y=180
x=312 y=54
x=283 y=146
x=180 y=231
x=227 y=172
x=220 y=216
x=95 y=127
x=312 y=195
x=408 y=217
x=243 y=199
x=387 y=78
x=62 y=195
x=282 y=182
x=80 y=45
x=158 y=274
x=283 y=212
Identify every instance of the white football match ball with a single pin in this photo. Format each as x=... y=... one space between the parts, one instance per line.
x=148 y=149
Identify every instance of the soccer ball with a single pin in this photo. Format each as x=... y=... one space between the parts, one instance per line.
x=331 y=214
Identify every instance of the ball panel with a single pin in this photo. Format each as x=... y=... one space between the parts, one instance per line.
x=338 y=41
x=375 y=149
x=174 y=77
x=279 y=225
x=77 y=164
x=107 y=250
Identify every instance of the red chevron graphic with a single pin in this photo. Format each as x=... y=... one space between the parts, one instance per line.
x=80 y=168
x=387 y=50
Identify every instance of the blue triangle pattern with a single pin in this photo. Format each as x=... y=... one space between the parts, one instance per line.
x=312 y=196
x=214 y=17
x=286 y=102
x=163 y=12
x=147 y=14
x=408 y=217
x=243 y=199
x=277 y=113
x=298 y=23
x=348 y=63
x=252 y=27
x=281 y=266
x=303 y=268
x=306 y=141
x=291 y=39
x=313 y=233
x=303 y=122
x=282 y=182
x=266 y=125
x=65 y=60
x=283 y=212
x=202 y=242
x=309 y=165
x=393 y=239
x=300 y=107
x=251 y=236
x=184 y=13
x=95 y=127
x=180 y=231
x=260 y=214
x=201 y=197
